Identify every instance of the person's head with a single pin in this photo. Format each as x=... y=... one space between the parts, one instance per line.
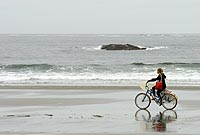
x=160 y=71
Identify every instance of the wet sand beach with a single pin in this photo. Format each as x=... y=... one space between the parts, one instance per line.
x=94 y=112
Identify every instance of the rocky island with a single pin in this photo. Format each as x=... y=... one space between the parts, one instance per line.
x=121 y=47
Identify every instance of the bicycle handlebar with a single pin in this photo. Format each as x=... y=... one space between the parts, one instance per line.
x=147 y=87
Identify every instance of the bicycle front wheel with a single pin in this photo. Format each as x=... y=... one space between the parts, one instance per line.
x=142 y=115
x=142 y=101
x=169 y=101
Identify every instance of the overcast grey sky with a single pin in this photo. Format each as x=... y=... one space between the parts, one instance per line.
x=99 y=16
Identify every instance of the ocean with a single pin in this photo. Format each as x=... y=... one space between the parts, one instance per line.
x=77 y=60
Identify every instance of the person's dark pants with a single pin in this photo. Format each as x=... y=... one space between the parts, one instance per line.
x=158 y=92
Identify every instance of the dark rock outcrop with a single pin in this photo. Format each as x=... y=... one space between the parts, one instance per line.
x=121 y=47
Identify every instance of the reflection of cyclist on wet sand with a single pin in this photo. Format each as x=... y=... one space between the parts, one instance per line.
x=158 y=123
x=145 y=115
x=161 y=78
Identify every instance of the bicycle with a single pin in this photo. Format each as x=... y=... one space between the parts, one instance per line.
x=167 y=100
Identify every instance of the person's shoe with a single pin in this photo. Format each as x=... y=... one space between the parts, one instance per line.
x=154 y=98
x=160 y=103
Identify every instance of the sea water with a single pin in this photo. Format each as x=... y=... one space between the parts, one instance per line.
x=78 y=59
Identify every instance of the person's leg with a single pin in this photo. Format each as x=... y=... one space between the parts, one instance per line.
x=159 y=96
x=153 y=90
x=158 y=93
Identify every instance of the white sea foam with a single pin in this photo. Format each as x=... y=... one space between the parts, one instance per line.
x=98 y=47
x=157 y=48
x=89 y=48
x=88 y=77
x=110 y=35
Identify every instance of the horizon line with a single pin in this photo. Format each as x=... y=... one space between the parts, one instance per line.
x=95 y=33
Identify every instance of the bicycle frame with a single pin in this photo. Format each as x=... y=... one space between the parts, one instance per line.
x=150 y=92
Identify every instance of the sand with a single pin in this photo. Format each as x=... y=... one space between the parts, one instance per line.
x=42 y=111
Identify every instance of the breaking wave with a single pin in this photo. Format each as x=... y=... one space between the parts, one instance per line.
x=177 y=73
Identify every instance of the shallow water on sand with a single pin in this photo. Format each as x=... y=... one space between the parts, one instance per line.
x=96 y=111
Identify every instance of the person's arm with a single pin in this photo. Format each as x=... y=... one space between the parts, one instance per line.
x=153 y=79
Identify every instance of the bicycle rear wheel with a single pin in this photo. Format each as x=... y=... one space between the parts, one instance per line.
x=142 y=101
x=169 y=101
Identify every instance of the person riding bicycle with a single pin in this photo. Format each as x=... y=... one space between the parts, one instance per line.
x=161 y=78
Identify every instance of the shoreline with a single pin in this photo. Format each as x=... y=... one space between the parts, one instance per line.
x=88 y=87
